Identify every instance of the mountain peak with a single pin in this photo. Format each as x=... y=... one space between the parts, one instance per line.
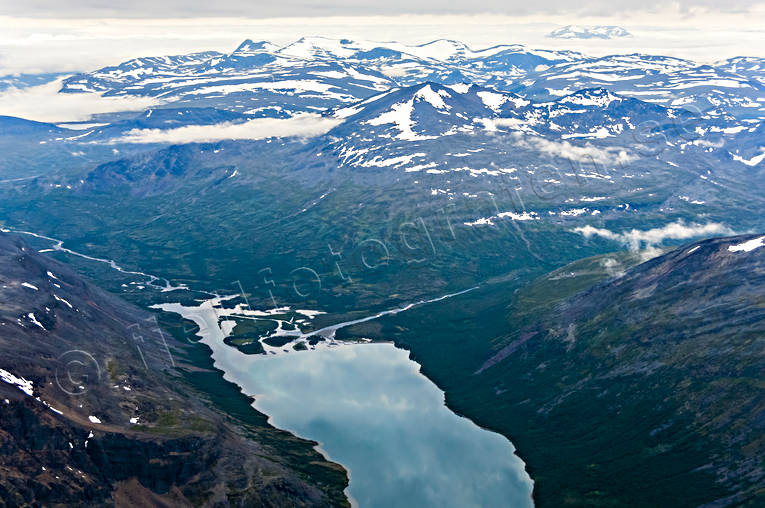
x=311 y=47
x=591 y=97
x=589 y=32
x=248 y=46
x=444 y=49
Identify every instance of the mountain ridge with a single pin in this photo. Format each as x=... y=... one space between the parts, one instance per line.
x=95 y=408
x=616 y=388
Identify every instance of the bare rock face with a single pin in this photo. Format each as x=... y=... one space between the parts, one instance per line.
x=95 y=408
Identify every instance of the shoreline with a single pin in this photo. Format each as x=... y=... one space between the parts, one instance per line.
x=223 y=356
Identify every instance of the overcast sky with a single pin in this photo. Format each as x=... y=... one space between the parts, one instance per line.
x=82 y=35
x=289 y=8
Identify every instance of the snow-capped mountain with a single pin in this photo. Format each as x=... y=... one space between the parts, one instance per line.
x=393 y=100
x=428 y=110
x=589 y=32
x=395 y=128
x=705 y=89
x=314 y=74
x=751 y=67
x=606 y=148
x=311 y=74
x=426 y=115
x=110 y=80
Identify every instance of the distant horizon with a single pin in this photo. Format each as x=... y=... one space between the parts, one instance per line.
x=42 y=45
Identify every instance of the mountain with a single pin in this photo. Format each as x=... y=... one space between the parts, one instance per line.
x=254 y=78
x=100 y=406
x=27 y=80
x=669 y=353
x=13 y=126
x=749 y=66
x=147 y=175
x=309 y=74
x=493 y=169
x=315 y=73
x=708 y=107
x=589 y=32
x=621 y=383
x=489 y=168
x=535 y=180
x=133 y=71
x=32 y=148
x=705 y=89
x=420 y=127
x=390 y=125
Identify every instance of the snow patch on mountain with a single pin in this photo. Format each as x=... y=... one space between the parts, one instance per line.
x=748 y=246
x=18 y=381
x=34 y=320
x=598 y=97
x=400 y=115
x=433 y=98
x=753 y=161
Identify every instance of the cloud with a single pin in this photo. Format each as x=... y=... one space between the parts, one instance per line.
x=44 y=104
x=305 y=125
x=650 y=238
x=262 y=9
x=586 y=153
x=581 y=153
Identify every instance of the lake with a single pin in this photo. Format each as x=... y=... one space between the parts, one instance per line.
x=372 y=411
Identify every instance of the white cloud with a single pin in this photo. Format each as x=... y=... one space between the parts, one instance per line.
x=315 y=8
x=305 y=125
x=44 y=104
x=586 y=153
x=636 y=239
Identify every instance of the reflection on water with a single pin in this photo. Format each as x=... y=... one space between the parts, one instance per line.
x=374 y=413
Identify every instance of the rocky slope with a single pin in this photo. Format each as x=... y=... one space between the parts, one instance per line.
x=96 y=408
x=655 y=374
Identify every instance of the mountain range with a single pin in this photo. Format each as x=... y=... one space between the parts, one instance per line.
x=589 y=32
x=618 y=349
